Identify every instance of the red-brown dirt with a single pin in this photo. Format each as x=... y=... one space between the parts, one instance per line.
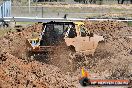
x=112 y=59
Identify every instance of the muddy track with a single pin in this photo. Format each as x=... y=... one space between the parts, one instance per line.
x=112 y=58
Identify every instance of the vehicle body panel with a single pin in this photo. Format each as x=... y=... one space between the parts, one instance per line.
x=86 y=45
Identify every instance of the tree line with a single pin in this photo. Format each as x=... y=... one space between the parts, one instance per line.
x=100 y=1
x=122 y=1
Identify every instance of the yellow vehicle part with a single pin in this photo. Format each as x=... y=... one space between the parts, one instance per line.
x=79 y=23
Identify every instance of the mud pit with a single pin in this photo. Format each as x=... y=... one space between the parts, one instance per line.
x=112 y=59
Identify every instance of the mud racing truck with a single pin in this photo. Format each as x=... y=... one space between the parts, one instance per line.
x=73 y=34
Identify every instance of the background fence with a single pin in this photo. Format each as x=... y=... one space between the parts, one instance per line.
x=73 y=12
x=38 y=9
x=5 y=9
x=20 y=8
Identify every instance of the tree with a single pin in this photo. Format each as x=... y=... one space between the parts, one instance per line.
x=92 y=1
x=122 y=1
x=48 y=0
x=78 y=1
x=86 y=1
x=100 y=2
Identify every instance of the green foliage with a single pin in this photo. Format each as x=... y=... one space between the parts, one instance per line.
x=3 y=31
x=129 y=23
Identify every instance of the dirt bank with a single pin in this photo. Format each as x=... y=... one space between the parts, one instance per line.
x=112 y=59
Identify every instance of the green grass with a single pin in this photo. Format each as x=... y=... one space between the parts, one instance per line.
x=25 y=23
x=129 y=24
x=3 y=31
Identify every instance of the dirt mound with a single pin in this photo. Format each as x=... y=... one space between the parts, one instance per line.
x=18 y=71
x=15 y=42
x=113 y=56
x=105 y=27
x=113 y=15
x=21 y=73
